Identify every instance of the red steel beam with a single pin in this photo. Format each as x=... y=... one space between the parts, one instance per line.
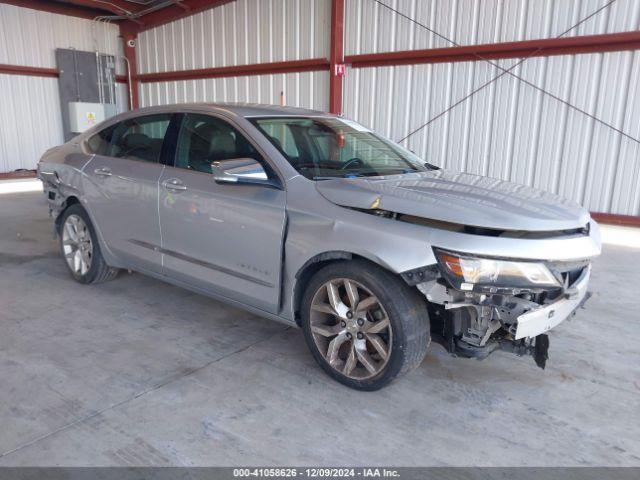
x=55 y=7
x=615 y=219
x=28 y=71
x=40 y=72
x=17 y=175
x=564 y=46
x=336 y=56
x=310 y=65
x=609 y=42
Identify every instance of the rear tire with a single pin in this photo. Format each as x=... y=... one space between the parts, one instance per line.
x=80 y=247
x=364 y=326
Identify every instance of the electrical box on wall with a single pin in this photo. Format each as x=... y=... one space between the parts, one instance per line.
x=84 y=115
x=87 y=84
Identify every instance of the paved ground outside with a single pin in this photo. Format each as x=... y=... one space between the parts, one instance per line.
x=138 y=372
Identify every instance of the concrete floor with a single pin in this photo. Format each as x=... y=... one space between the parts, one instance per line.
x=137 y=372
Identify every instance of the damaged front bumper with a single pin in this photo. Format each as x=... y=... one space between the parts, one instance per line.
x=474 y=325
x=542 y=319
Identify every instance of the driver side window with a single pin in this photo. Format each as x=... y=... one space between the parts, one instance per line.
x=204 y=139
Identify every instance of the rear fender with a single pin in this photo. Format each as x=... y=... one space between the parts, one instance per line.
x=63 y=185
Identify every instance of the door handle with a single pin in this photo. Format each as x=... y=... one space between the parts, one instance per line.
x=103 y=172
x=174 y=184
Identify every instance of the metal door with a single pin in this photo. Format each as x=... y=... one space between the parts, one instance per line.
x=122 y=191
x=223 y=238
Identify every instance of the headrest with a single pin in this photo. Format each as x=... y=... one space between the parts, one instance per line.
x=218 y=144
x=137 y=140
x=223 y=144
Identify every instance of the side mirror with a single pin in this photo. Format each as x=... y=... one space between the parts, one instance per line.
x=242 y=171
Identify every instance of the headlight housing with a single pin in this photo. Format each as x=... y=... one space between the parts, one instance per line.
x=467 y=272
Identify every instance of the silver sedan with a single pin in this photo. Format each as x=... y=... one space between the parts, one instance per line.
x=314 y=220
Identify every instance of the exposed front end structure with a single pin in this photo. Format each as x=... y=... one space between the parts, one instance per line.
x=481 y=304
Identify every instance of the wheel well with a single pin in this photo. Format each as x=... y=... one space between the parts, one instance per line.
x=71 y=200
x=309 y=269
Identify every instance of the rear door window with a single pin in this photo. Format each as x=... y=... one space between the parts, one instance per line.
x=139 y=138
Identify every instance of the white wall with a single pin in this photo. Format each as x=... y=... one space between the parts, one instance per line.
x=240 y=33
x=30 y=120
x=305 y=89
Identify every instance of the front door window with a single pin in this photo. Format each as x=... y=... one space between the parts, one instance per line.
x=205 y=139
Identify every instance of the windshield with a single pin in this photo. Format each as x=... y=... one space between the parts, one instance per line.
x=328 y=147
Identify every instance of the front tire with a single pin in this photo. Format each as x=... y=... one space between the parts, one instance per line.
x=80 y=248
x=363 y=325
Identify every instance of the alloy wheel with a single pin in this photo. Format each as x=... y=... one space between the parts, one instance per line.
x=77 y=246
x=351 y=328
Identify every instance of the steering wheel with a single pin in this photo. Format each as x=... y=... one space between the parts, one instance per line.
x=354 y=162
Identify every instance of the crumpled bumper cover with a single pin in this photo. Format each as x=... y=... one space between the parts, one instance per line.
x=543 y=319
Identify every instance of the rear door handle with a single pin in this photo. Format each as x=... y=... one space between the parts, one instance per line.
x=103 y=172
x=174 y=184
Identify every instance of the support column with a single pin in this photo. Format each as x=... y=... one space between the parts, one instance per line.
x=336 y=56
x=130 y=39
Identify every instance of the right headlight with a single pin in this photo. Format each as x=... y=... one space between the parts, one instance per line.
x=466 y=271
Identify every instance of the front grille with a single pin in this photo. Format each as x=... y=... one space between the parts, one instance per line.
x=571 y=276
x=569 y=272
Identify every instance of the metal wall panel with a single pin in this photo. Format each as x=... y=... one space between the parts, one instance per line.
x=30 y=118
x=31 y=121
x=371 y=28
x=306 y=89
x=30 y=37
x=510 y=130
x=238 y=33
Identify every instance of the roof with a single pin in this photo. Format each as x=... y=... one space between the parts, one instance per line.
x=258 y=109
x=240 y=109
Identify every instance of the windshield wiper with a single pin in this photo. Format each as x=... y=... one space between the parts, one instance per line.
x=344 y=175
x=390 y=171
x=374 y=173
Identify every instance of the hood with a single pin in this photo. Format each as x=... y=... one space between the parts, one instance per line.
x=459 y=198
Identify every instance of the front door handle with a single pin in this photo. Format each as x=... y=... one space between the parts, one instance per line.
x=103 y=172
x=174 y=184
